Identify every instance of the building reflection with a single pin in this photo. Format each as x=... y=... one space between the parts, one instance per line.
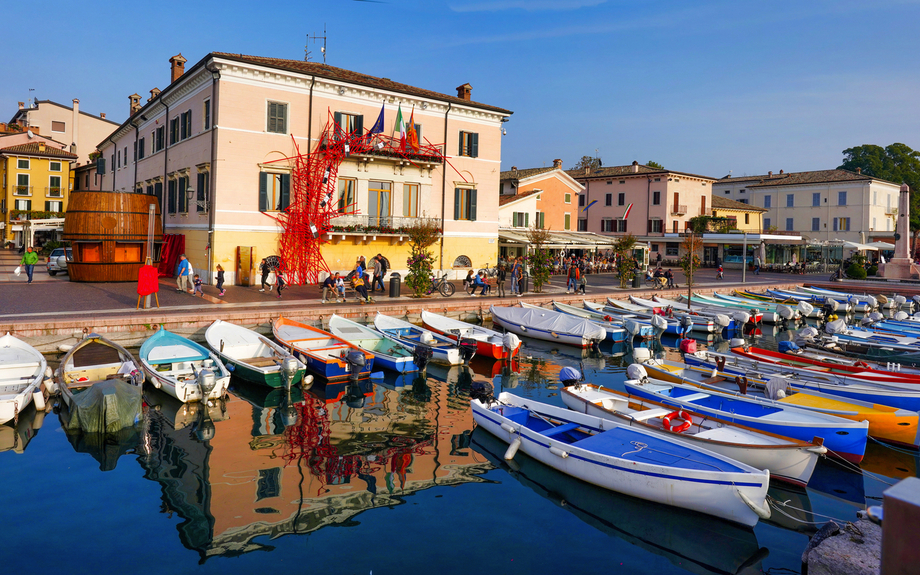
x=275 y=465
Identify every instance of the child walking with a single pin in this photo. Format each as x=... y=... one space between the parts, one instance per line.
x=279 y=282
x=220 y=280
x=197 y=290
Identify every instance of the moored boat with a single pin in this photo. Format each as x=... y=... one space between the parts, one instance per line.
x=787 y=459
x=548 y=325
x=326 y=355
x=22 y=371
x=183 y=368
x=443 y=349
x=616 y=332
x=252 y=356
x=627 y=460
x=489 y=343
x=388 y=353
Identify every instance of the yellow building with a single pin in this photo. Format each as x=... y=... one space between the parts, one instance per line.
x=741 y=216
x=36 y=181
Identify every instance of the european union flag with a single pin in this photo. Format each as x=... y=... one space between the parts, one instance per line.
x=377 y=128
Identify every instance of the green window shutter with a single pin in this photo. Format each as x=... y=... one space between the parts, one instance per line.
x=460 y=151
x=202 y=183
x=472 y=217
x=527 y=220
x=100 y=166
x=29 y=205
x=359 y=125
x=263 y=192
x=158 y=192
x=285 y=191
x=171 y=196
x=282 y=118
x=457 y=194
x=47 y=206
x=337 y=118
x=182 y=195
x=474 y=145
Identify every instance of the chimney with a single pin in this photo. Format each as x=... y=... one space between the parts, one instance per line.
x=770 y=173
x=557 y=164
x=781 y=172
x=859 y=170
x=178 y=67
x=135 y=100
x=75 y=124
x=22 y=105
x=464 y=91
x=153 y=94
x=102 y=115
x=513 y=168
x=635 y=167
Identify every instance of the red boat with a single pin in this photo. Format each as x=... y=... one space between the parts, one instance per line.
x=489 y=343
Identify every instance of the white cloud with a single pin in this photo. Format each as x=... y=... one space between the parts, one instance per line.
x=528 y=5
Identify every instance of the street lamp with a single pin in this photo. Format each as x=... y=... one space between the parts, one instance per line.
x=189 y=193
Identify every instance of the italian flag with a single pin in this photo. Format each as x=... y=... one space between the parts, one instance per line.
x=628 y=209
x=400 y=127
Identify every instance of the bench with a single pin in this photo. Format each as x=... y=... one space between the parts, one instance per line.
x=560 y=429
x=651 y=414
x=259 y=361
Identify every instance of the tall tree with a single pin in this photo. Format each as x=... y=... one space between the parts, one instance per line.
x=588 y=162
x=896 y=163
x=655 y=165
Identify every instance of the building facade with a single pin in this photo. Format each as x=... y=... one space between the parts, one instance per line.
x=78 y=130
x=216 y=147
x=556 y=203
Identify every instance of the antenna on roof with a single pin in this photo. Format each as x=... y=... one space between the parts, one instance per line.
x=306 y=52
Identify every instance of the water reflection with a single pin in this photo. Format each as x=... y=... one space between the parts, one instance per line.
x=16 y=435
x=692 y=541
x=106 y=448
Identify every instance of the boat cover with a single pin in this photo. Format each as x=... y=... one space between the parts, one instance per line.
x=549 y=320
x=105 y=407
x=836 y=326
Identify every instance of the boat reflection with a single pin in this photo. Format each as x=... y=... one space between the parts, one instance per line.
x=16 y=435
x=275 y=467
x=105 y=448
x=691 y=541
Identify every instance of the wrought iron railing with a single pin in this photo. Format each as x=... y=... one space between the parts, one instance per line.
x=54 y=192
x=679 y=210
x=22 y=191
x=360 y=224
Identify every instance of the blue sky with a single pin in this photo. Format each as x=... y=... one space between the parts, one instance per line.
x=704 y=87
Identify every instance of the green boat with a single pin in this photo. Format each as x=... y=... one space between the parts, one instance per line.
x=253 y=357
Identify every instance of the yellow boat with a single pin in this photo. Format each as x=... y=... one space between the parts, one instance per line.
x=888 y=424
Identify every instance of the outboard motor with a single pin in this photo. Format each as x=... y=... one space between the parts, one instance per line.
x=356 y=362
x=899 y=300
x=288 y=413
x=483 y=391
x=467 y=349
x=659 y=322
x=876 y=316
x=421 y=355
x=722 y=320
x=636 y=371
x=569 y=376
x=354 y=394
x=511 y=342
x=805 y=308
x=289 y=368
x=901 y=316
x=206 y=380
x=808 y=333
x=204 y=427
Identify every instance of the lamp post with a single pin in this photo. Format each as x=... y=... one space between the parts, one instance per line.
x=189 y=192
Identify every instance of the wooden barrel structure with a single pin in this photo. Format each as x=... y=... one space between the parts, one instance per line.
x=108 y=231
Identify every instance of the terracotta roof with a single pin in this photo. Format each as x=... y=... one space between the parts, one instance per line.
x=523 y=174
x=507 y=199
x=33 y=150
x=324 y=71
x=620 y=171
x=719 y=202
x=799 y=178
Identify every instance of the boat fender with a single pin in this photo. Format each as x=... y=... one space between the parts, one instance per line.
x=679 y=414
x=513 y=448
x=157 y=383
x=507 y=427
x=230 y=367
x=558 y=452
x=762 y=512
x=608 y=318
x=554 y=334
x=523 y=328
x=38 y=398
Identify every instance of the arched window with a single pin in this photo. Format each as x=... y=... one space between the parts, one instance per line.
x=463 y=262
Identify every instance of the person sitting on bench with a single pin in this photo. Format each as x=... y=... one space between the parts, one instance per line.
x=480 y=281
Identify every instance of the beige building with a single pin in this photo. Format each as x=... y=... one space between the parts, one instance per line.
x=78 y=130
x=742 y=217
x=217 y=146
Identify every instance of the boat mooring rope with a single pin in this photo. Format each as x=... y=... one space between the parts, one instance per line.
x=911 y=452
x=778 y=505
x=849 y=466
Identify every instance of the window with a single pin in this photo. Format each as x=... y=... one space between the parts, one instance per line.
x=520 y=219
x=567 y=219
x=346 y=198
x=54 y=187
x=606 y=225
x=206 y=115
x=54 y=166
x=274 y=191
x=410 y=200
x=657 y=179
x=135 y=151
x=816 y=199
x=140 y=149
x=128 y=252
x=656 y=198
x=741 y=191
x=841 y=198
x=539 y=220
x=54 y=206
x=582 y=225
x=174 y=130
x=728 y=192
x=766 y=223
x=790 y=200
x=469 y=144
x=158 y=137
x=747 y=218
x=815 y=224
x=88 y=251
x=789 y=225
x=768 y=201
x=743 y=200
x=269 y=483
x=581 y=201
x=654 y=247
x=24 y=165
x=672 y=249
x=622 y=181
x=185 y=129
x=465 y=204
x=22 y=185
x=621 y=199
x=567 y=198
x=873 y=224
x=608 y=199
x=619 y=225
x=703 y=206
x=654 y=226
x=203 y=191
x=112 y=158
x=842 y=224
x=182 y=193
x=119 y=158
x=348 y=123
x=24 y=205
x=277 y=118
x=609 y=182
x=158 y=192
x=86 y=181
x=378 y=199
x=58 y=126
x=874 y=198
x=100 y=166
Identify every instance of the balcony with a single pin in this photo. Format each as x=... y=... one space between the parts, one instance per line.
x=379 y=146
x=23 y=215
x=369 y=227
x=891 y=211
x=22 y=190
x=678 y=210
x=55 y=192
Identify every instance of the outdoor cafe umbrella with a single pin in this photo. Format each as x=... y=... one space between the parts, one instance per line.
x=881 y=245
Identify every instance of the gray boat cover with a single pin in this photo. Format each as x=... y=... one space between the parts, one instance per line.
x=105 y=407
x=549 y=320
x=836 y=326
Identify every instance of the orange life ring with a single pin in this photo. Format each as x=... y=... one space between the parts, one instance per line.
x=679 y=414
x=860 y=364
x=608 y=318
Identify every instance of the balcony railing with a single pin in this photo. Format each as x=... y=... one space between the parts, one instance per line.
x=678 y=210
x=55 y=192
x=22 y=191
x=34 y=215
x=891 y=211
x=363 y=224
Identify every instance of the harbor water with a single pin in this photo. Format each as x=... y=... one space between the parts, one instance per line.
x=383 y=476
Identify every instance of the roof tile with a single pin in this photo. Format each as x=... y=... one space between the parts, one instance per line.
x=32 y=149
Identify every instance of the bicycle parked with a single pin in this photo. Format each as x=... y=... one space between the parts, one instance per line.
x=442 y=286
x=490 y=272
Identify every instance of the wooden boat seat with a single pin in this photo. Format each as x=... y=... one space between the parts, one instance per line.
x=713 y=380
x=259 y=361
x=560 y=429
x=84 y=377
x=651 y=414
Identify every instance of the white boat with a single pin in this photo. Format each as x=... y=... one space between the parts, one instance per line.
x=627 y=460
x=388 y=353
x=22 y=371
x=616 y=331
x=253 y=357
x=443 y=348
x=548 y=325
x=182 y=368
x=860 y=303
x=100 y=382
x=786 y=458
x=490 y=343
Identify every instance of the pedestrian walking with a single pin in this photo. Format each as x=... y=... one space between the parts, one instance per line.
x=263 y=267
x=720 y=271
x=500 y=280
x=757 y=265
x=29 y=259
x=378 y=273
x=582 y=284
x=516 y=278
x=658 y=260
x=197 y=289
x=220 y=280
x=183 y=271
x=279 y=282
x=573 y=276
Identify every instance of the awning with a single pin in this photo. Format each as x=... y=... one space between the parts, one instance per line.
x=560 y=240
x=881 y=245
x=860 y=247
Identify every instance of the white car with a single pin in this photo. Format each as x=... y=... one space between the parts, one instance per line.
x=57 y=261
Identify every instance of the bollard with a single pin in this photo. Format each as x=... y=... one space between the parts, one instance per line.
x=900 y=536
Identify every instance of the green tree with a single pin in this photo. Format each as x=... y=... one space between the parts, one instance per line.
x=539 y=261
x=690 y=260
x=588 y=162
x=655 y=165
x=896 y=163
x=422 y=235
x=622 y=247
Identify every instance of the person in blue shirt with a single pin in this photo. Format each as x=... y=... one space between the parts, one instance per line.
x=479 y=281
x=183 y=271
